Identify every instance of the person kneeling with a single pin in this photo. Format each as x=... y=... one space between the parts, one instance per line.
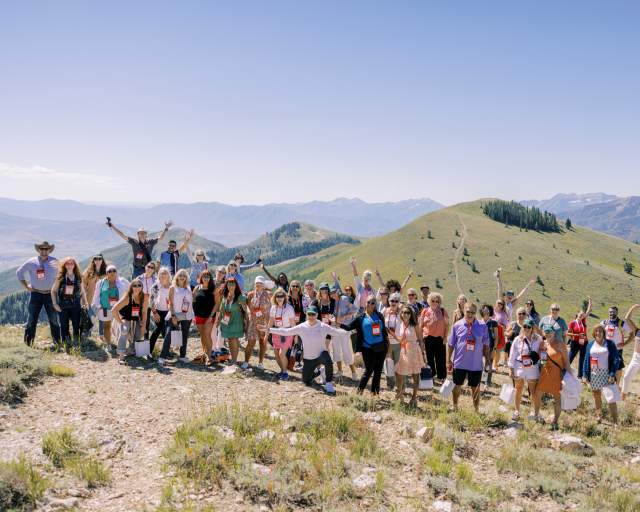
x=315 y=346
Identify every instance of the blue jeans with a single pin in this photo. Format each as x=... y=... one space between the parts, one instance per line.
x=574 y=349
x=37 y=301
x=137 y=271
x=72 y=315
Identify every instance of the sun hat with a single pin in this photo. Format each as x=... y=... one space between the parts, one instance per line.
x=44 y=245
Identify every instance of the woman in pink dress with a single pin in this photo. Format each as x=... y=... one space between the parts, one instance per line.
x=412 y=358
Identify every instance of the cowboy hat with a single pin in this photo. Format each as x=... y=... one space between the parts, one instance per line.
x=44 y=245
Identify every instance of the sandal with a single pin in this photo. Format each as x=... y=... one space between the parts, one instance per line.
x=200 y=359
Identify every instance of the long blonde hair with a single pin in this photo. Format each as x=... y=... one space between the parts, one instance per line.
x=180 y=273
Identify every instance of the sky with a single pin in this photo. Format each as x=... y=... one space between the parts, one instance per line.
x=258 y=102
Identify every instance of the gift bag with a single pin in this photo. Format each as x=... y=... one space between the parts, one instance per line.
x=389 y=367
x=446 y=388
x=611 y=393
x=426 y=378
x=569 y=401
x=508 y=393
x=142 y=348
x=176 y=338
x=571 y=384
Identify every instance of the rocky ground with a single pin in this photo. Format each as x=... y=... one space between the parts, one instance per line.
x=128 y=415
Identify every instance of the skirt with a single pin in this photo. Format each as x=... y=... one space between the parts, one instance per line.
x=411 y=360
x=599 y=379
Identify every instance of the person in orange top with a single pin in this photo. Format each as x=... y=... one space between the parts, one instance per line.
x=435 y=326
x=554 y=362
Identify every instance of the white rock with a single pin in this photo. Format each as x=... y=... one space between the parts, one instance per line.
x=275 y=415
x=510 y=432
x=364 y=481
x=635 y=460
x=261 y=468
x=571 y=444
x=265 y=434
x=441 y=506
x=404 y=444
x=503 y=408
x=425 y=434
x=226 y=432
x=60 y=503
x=373 y=417
x=230 y=370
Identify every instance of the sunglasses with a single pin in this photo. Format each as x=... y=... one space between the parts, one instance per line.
x=411 y=295
x=555 y=309
x=231 y=283
x=111 y=271
x=521 y=314
x=206 y=276
x=393 y=302
x=280 y=296
x=371 y=303
x=527 y=327
x=71 y=264
x=136 y=286
x=97 y=259
x=406 y=313
x=436 y=300
x=295 y=286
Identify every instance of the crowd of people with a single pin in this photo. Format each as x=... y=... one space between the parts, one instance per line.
x=313 y=327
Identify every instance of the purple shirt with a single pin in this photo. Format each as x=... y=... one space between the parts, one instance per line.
x=468 y=344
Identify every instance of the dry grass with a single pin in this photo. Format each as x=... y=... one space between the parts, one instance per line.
x=21 y=484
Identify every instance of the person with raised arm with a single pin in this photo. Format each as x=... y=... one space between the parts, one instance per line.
x=634 y=366
x=171 y=257
x=510 y=299
x=282 y=281
x=41 y=271
x=618 y=331
x=142 y=246
x=364 y=290
x=392 y=285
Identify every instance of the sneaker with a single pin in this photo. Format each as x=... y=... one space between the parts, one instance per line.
x=515 y=416
x=184 y=360
x=284 y=376
x=244 y=366
x=297 y=367
x=162 y=361
x=260 y=366
x=338 y=374
x=329 y=388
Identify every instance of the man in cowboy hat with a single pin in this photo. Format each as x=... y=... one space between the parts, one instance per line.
x=142 y=246
x=41 y=271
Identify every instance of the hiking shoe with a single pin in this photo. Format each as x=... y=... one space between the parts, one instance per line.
x=184 y=360
x=260 y=366
x=244 y=366
x=354 y=375
x=284 y=376
x=162 y=361
x=515 y=416
x=329 y=388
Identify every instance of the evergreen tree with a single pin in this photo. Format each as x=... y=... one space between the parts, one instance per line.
x=512 y=213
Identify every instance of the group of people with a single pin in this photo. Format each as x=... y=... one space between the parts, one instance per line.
x=312 y=328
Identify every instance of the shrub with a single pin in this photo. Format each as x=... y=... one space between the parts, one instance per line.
x=59 y=370
x=21 y=484
x=628 y=267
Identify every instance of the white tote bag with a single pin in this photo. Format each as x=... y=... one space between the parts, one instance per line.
x=571 y=385
x=176 y=338
x=142 y=348
x=389 y=367
x=611 y=393
x=447 y=388
x=568 y=401
x=508 y=393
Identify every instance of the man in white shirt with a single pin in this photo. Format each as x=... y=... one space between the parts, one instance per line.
x=315 y=346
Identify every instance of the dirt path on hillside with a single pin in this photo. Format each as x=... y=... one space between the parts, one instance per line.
x=458 y=252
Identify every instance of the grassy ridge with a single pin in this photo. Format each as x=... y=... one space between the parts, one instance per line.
x=522 y=255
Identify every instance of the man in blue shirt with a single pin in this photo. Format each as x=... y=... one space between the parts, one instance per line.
x=41 y=272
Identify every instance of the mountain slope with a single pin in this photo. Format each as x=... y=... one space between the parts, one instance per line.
x=567 y=277
x=570 y=202
x=234 y=225
x=18 y=235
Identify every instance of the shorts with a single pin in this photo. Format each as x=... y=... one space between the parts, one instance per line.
x=473 y=378
x=201 y=320
x=282 y=342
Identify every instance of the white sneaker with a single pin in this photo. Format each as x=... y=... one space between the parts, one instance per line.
x=329 y=388
x=184 y=360
x=244 y=366
x=260 y=366
x=515 y=416
x=162 y=361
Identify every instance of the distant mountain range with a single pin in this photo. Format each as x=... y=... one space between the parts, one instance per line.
x=233 y=225
x=619 y=216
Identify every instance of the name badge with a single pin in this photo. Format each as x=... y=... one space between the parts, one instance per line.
x=39 y=274
x=471 y=344
x=185 y=305
x=611 y=330
x=113 y=301
x=257 y=312
x=135 y=311
x=226 y=318
x=68 y=289
x=593 y=361
x=139 y=255
x=278 y=321
x=526 y=360
x=375 y=329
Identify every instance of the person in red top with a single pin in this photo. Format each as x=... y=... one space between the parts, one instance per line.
x=577 y=336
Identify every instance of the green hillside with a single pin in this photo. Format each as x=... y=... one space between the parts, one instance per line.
x=571 y=264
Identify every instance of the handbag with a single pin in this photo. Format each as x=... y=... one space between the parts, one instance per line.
x=447 y=388
x=389 y=367
x=426 y=378
x=85 y=322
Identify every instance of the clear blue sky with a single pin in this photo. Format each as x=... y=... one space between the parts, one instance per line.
x=255 y=102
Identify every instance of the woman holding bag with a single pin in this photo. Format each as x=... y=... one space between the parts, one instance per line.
x=180 y=314
x=523 y=366
x=601 y=362
x=159 y=302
